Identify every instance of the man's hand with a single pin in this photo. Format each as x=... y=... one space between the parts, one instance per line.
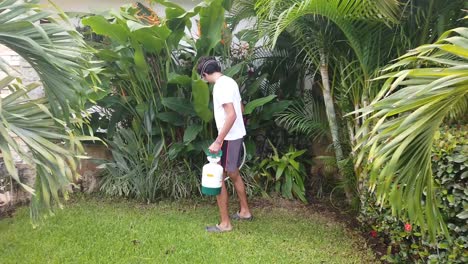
x=215 y=147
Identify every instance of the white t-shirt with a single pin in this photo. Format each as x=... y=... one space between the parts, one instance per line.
x=226 y=91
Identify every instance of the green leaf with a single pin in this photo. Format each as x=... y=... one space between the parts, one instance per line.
x=227 y=4
x=250 y=107
x=234 y=69
x=443 y=245
x=201 y=100
x=175 y=149
x=175 y=78
x=191 y=133
x=463 y=215
x=171 y=118
x=178 y=104
x=211 y=26
x=287 y=187
x=280 y=170
x=270 y=110
x=141 y=108
x=253 y=88
x=140 y=60
x=148 y=40
x=460 y=158
x=103 y=27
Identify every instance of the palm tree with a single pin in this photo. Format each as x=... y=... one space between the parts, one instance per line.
x=424 y=87
x=46 y=125
x=424 y=21
x=318 y=27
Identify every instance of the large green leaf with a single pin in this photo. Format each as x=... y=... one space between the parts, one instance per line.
x=152 y=37
x=183 y=80
x=149 y=41
x=191 y=133
x=177 y=20
x=172 y=118
x=268 y=112
x=211 y=26
x=227 y=4
x=251 y=106
x=231 y=71
x=201 y=100
x=102 y=26
x=140 y=59
x=178 y=104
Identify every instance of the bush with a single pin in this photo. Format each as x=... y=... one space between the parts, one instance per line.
x=143 y=171
x=284 y=173
x=405 y=242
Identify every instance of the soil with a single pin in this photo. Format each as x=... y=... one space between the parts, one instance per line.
x=7 y=212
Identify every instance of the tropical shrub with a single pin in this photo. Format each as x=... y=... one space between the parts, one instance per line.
x=283 y=173
x=154 y=115
x=405 y=240
x=142 y=171
x=152 y=90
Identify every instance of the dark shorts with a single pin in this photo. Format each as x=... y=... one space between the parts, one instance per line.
x=231 y=159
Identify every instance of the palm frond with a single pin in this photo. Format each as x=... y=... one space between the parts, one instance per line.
x=330 y=165
x=50 y=146
x=59 y=56
x=459 y=111
x=358 y=20
x=405 y=116
x=54 y=49
x=241 y=10
x=307 y=118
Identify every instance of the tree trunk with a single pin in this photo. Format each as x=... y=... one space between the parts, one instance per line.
x=331 y=116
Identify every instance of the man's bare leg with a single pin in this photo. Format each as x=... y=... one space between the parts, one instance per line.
x=222 y=199
x=240 y=189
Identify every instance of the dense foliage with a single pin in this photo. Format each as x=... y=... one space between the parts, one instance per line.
x=155 y=104
x=313 y=77
x=404 y=238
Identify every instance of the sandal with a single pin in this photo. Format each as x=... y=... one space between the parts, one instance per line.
x=237 y=216
x=216 y=229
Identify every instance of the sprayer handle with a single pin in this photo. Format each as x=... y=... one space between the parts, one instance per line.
x=214 y=155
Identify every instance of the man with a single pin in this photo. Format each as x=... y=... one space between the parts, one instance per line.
x=227 y=105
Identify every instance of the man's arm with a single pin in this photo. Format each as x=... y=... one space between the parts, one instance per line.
x=228 y=123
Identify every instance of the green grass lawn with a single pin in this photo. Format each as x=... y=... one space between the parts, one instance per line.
x=90 y=230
